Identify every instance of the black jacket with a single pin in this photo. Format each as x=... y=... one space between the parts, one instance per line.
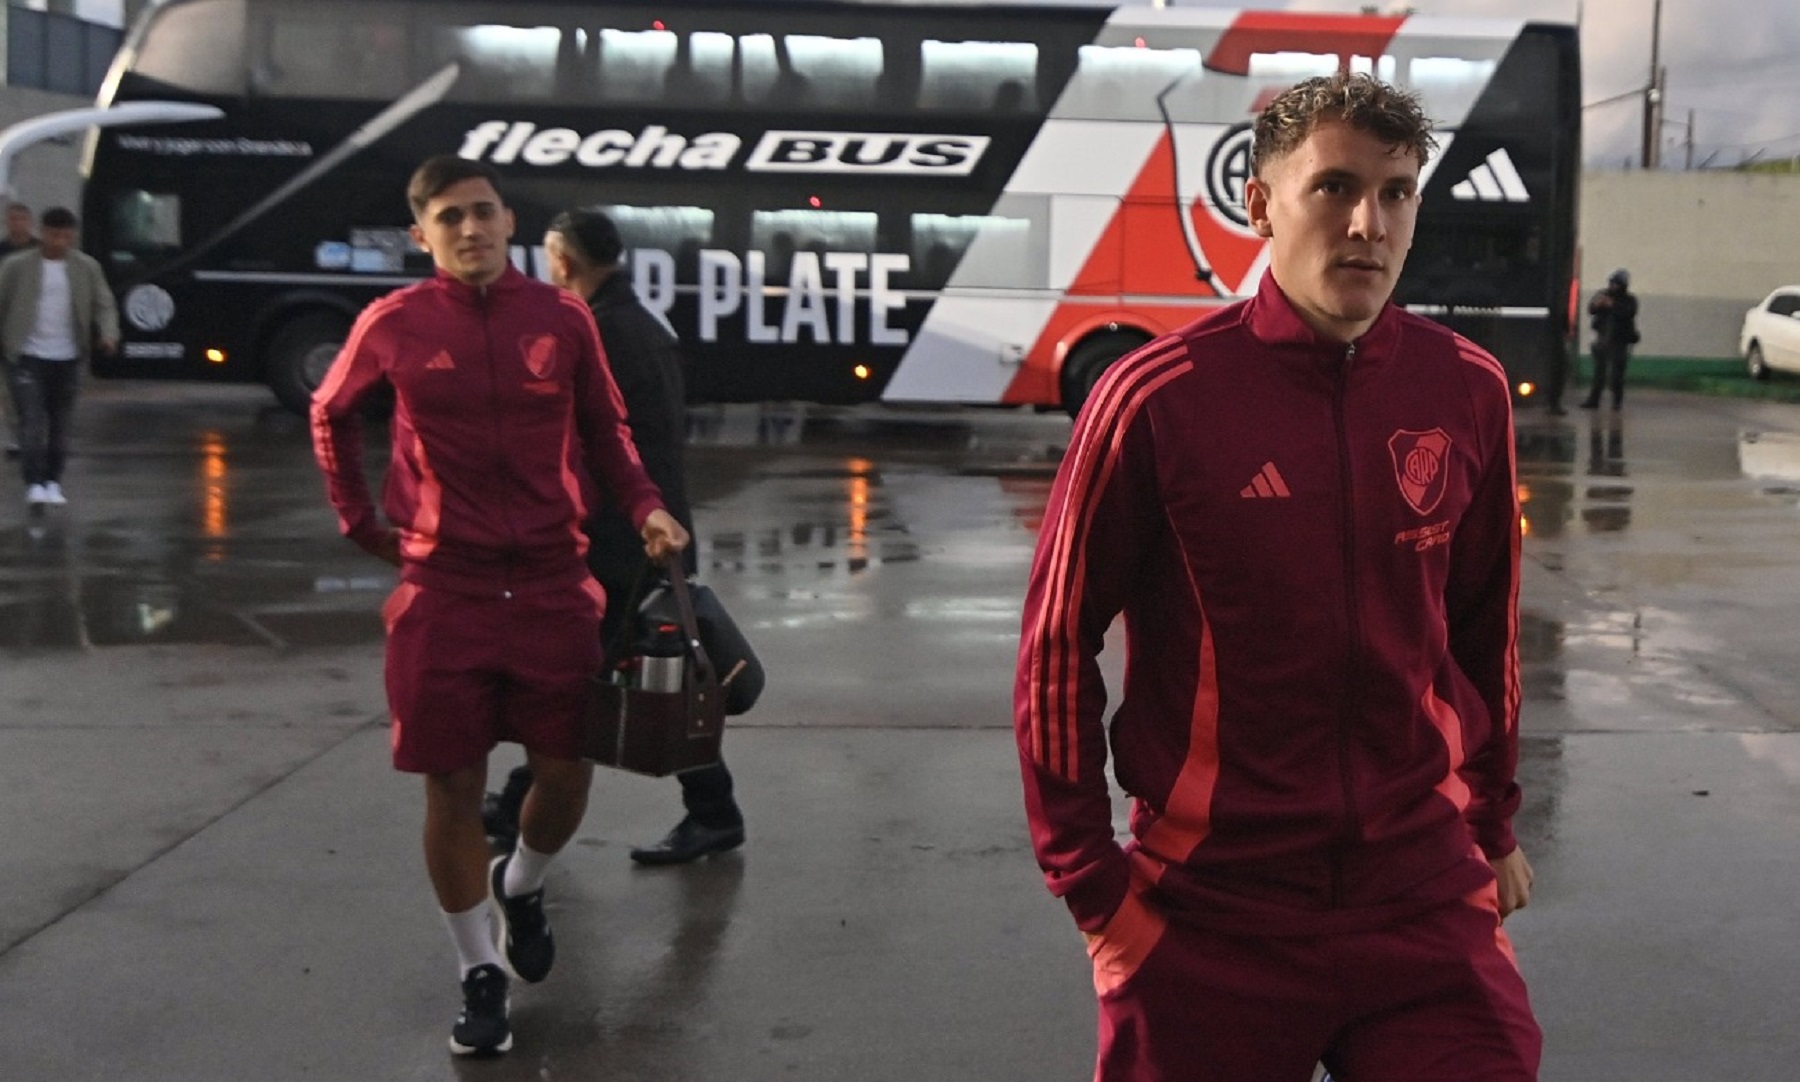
x=1614 y=323
x=645 y=359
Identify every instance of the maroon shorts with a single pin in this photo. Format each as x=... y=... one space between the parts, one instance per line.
x=464 y=673
x=1435 y=998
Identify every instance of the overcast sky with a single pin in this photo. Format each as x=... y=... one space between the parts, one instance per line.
x=1734 y=63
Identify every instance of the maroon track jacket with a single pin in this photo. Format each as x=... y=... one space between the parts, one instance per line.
x=1316 y=551
x=504 y=409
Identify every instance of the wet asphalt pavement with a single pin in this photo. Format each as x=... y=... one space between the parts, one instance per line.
x=211 y=873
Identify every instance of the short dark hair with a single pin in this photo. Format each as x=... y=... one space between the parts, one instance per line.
x=59 y=218
x=591 y=234
x=439 y=172
x=1360 y=100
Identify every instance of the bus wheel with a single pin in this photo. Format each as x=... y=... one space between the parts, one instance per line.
x=1087 y=361
x=299 y=355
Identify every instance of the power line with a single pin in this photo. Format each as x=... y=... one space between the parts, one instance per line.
x=1723 y=80
x=1632 y=93
x=1763 y=144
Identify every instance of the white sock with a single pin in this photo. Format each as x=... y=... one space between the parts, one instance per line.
x=472 y=931
x=525 y=871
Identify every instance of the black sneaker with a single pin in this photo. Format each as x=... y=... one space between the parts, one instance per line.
x=689 y=841
x=481 y=1029
x=525 y=937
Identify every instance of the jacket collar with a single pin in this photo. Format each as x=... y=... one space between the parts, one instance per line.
x=510 y=281
x=1273 y=320
x=615 y=289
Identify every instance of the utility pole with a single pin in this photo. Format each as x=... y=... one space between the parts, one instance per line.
x=1690 y=141
x=1653 y=92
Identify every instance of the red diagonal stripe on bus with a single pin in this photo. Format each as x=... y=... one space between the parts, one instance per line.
x=1229 y=253
x=1146 y=225
x=1296 y=32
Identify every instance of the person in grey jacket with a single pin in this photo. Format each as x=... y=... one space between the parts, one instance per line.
x=55 y=310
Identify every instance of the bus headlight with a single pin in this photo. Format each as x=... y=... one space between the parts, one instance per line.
x=215 y=356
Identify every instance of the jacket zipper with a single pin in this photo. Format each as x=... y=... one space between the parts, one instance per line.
x=1350 y=706
x=501 y=470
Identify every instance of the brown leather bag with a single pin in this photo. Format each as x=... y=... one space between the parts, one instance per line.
x=658 y=732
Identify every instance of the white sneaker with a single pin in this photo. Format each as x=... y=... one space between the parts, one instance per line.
x=53 y=494
x=36 y=496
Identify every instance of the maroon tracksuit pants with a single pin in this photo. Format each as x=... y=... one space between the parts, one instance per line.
x=1438 y=998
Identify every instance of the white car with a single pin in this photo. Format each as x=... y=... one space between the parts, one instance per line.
x=1770 y=340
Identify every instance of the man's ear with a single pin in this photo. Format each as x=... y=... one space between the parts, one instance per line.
x=418 y=237
x=1256 y=206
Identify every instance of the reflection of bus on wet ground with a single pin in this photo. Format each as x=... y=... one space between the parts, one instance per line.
x=830 y=202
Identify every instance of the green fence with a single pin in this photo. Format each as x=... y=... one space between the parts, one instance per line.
x=1704 y=375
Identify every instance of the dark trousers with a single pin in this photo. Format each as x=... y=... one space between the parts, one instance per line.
x=705 y=794
x=1609 y=373
x=706 y=791
x=44 y=394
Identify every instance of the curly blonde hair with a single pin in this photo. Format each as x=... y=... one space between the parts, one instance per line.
x=1362 y=101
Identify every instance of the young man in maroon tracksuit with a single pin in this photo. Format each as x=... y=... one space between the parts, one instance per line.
x=502 y=400
x=1304 y=507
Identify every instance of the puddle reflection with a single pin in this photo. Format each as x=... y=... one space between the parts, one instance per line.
x=105 y=609
x=1551 y=494
x=1608 y=507
x=842 y=493
x=1773 y=458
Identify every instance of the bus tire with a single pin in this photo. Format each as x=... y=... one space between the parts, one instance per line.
x=300 y=353
x=1089 y=360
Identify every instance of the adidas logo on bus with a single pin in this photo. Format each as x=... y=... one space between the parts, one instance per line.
x=504 y=143
x=1493 y=181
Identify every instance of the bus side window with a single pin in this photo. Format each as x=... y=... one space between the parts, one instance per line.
x=978 y=76
x=1006 y=249
x=635 y=64
x=1125 y=83
x=577 y=64
x=702 y=71
x=500 y=63
x=819 y=72
x=1451 y=83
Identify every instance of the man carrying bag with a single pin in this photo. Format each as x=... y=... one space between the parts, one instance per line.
x=583 y=249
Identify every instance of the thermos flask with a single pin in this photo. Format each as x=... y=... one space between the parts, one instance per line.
x=664 y=658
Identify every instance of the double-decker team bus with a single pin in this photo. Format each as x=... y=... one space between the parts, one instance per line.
x=834 y=202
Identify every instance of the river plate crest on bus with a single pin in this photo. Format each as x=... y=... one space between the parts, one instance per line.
x=1214 y=220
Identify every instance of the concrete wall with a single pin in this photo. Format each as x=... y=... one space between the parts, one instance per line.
x=47 y=174
x=1701 y=247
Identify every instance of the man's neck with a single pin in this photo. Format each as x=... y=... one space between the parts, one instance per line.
x=589 y=282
